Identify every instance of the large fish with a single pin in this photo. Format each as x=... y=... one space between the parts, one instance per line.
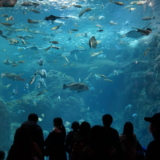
x=144 y=31
x=79 y=87
x=13 y=76
x=7 y=3
x=83 y=11
x=93 y=42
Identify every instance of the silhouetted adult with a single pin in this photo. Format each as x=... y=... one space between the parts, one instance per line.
x=114 y=136
x=36 y=130
x=153 y=148
x=69 y=137
x=99 y=147
x=2 y=155
x=80 y=140
x=54 y=143
x=131 y=147
x=24 y=148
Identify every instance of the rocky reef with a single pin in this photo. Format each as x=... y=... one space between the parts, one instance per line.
x=4 y=126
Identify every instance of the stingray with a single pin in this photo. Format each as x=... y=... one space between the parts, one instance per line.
x=139 y=33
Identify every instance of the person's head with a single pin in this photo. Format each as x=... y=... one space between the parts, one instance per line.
x=57 y=122
x=33 y=117
x=154 y=123
x=128 y=128
x=84 y=127
x=75 y=126
x=2 y=155
x=107 y=120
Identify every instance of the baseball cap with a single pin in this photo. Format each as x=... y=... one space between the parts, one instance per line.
x=155 y=119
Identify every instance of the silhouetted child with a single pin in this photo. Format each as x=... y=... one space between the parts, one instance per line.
x=2 y=155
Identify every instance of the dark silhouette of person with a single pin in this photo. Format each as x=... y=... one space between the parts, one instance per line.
x=131 y=146
x=99 y=147
x=36 y=130
x=24 y=148
x=69 y=137
x=2 y=155
x=80 y=140
x=153 y=148
x=54 y=143
x=114 y=136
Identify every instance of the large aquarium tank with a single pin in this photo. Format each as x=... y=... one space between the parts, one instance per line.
x=79 y=60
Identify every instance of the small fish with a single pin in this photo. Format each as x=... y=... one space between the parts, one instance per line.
x=55 y=47
x=76 y=5
x=7 y=24
x=83 y=11
x=10 y=18
x=7 y=86
x=41 y=93
x=54 y=42
x=108 y=80
x=133 y=2
x=127 y=6
x=32 y=80
x=101 y=30
x=40 y=119
x=40 y=62
x=14 y=65
x=79 y=87
x=66 y=59
x=95 y=54
x=93 y=42
x=35 y=11
x=63 y=7
x=132 y=9
x=27 y=4
x=33 y=21
x=113 y=23
x=141 y=2
x=26 y=87
x=24 y=42
x=148 y=18
x=101 y=75
x=134 y=115
x=118 y=3
x=74 y=30
x=75 y=24
x=5 y=15
x=48 y=48
x=129 y=106
x=21 y=61
x=55 y=28
x=146 y=52
x=53 y=18
x=98 y=26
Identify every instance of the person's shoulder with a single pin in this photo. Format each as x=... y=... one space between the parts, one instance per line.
x=113 y=130
x=152 y=144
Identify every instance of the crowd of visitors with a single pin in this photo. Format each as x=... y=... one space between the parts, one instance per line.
x=83 y=142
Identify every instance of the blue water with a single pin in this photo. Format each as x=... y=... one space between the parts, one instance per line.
x=103 y=96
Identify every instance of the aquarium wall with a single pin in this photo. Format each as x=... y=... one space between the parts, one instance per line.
x=79 y=60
